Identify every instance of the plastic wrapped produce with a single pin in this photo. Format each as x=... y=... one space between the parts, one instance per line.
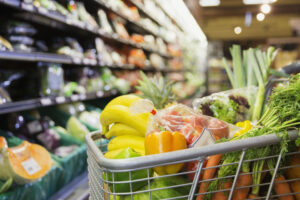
x=52 y=79
x=105 y=26
x=85 y=16
x=230 y=106
x=188 y=122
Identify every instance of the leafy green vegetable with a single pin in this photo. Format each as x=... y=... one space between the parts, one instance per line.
x=223 y=111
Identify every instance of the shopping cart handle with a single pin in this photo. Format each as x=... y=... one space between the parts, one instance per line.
x=293 y=68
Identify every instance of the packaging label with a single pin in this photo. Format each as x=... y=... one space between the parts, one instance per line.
x=31 y=166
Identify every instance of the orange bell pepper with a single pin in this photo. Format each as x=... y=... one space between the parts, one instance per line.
x=165 y=141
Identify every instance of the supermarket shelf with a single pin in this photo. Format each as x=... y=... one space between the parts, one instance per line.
x=49 y=101
x=167 y=14
x=141 y=7
x=34 y=57
x=55 y=17
x=137 y=24
x=63 y=59
x=76 y=189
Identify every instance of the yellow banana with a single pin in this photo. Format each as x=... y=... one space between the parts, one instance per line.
x=124 y=100
x=122 y=129
x=121 y=114
x=112 y=154
x=124 y=141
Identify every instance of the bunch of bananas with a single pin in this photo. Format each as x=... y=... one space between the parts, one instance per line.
x=127 y=127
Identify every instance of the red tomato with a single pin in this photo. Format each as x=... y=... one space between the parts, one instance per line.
x=218 y=128
x=191 y=133
x=192 y=166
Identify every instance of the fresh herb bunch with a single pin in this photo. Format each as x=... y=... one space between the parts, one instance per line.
x=281 y=115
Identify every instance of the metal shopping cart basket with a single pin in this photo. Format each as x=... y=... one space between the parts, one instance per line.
x=104 y=188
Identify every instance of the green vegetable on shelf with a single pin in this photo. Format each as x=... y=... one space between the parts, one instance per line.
x=4 y=186
x=76 y=129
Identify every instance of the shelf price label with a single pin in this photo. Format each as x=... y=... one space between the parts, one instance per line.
x=42 y=10
x=27 y=6
x=82 y=96
x=99 y=93
x=74 y=97
x=60 y=99
x=76 y=60
x=93 y=62
x=46 y=101
x=90 y=28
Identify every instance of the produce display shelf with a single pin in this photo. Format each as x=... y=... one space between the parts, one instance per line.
x=63 y=59
x=142 y=8
x=137 y=24
x=167 y=14
x=76 y=189
x=53 y=17
x=49 y=101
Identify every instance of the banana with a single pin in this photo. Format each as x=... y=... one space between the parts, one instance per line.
x=124 y=100
x=112 y=154
x=124 y=141
x=122 y=129
x=121 y=114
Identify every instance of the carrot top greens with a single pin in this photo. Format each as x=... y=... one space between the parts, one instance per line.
x=281 y=115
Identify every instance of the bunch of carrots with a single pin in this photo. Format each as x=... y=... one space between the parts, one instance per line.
x=245 y=179
x=281 y=115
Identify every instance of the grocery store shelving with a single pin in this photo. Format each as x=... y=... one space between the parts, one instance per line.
x=167 y=14
x=63 y=59
x=55 y=17
x=49 y=101
x=76 y=189
x=141 y=7
x=137 y=24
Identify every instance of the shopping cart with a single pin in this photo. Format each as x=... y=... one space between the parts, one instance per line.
x=103 y=188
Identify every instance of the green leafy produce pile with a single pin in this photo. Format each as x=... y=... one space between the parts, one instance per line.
x=281 y=115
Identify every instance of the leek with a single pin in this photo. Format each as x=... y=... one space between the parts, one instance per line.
x=250 y=69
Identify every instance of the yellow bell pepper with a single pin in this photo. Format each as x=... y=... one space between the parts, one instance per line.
x=245 y=125
x=165 y=141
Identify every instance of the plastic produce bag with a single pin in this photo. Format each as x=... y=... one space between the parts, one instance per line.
x=52 y=79
x=230 y=106
x=186 y=121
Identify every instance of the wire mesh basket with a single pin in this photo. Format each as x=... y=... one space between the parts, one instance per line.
x=105 y=181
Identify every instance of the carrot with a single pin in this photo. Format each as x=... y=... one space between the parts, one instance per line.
x=252 y=196
x=243 y=180
x=223 y=195
x=283 y=188
x=208 y=174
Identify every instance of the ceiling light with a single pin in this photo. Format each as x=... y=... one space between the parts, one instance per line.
x=258 y=1
x=265 y=8
x=207 y=3
x=237 y=30
x=260 y=16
